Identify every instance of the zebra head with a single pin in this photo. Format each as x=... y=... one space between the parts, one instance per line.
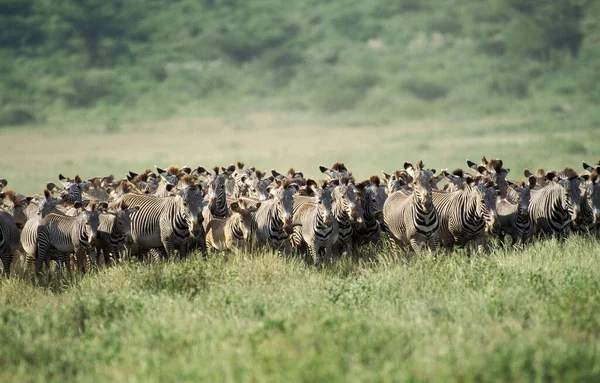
x=283 y=195
x=217 y=199
x=91 y=220
x=191 y=196
x=373 y=196
x=421 y=183
x=494 y=170
x=15 y=205
x=245 y=210
x=456 y=180
x=236 y=185
x=486 y=193
x=570 y=181
x=345 y=201
x=593 y=190
x=322 y=195
x=47 y=205
x=523 y=191
x=257 y=186
x=336 y=172
x=73 y=188
x=395 y=182
x=123 y=220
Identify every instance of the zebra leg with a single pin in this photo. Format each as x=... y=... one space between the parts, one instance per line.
x=416 y=246
x=314 y=255
x=481 y=244
x=6 y=261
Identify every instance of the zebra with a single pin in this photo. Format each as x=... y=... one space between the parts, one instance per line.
x=494 y=170
x=166 y=223
x=396 y=181
x=556 y=205
x=588 y=220
x=29 y=234
x=65 y=235
x=257 y=187
x=348 y=213
x=314 y=226
x=216 y=196
x=145 y=182
x=272 y=222
x=237 y=185
x=514 y=217
x=15 y=205
x=412 y=220
x=73 y=188
x=467 y=214
x=114 y=232
x=9 y=239
x=230 y=232
x=3 y=183
x=456 y=179
x=336 y=172
x=372 y=196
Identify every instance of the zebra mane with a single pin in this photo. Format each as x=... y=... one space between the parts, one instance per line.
x=173 y=170
x=77 y=179
x=540 y=172
x=345 y=180
x=374 y=180
x=291 y=172
x=11 y=196
x=259 y=174
x=187 y=181
x=216 y=170
x=496 y=165
x=143 y=176
x=291 y=182
x=340 y=167
x=594 y=177
x=419 y=164
x=568 y=174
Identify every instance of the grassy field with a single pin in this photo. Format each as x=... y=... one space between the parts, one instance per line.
x=510 y=316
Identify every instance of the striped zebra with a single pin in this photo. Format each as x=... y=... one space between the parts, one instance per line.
x=553 y=207
x=372 y=197
x=66 y=235
x=258 y=186
x=514 y=217
x=231 y=232
x=272 y=222
x=216 y=195
x=73 y=188
x=15 y=205
x=497 y=173
x=29 y=234
x=348 y=213
x=456 y=180
x=314 y=226
x=9 y=239
x=145 y=182
x=467 y=214
x=396 y=181
x=3 y=183
x=114 y=232
x=336 y=172
x=165 y=223
x=237 y=185
x=588 y=220
x=412 y=220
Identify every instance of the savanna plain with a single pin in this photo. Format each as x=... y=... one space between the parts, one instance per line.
x=301 y=84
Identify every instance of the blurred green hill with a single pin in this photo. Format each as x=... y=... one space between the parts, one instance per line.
x=391 y=58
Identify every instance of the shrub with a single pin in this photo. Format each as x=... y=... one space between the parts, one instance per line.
x=16 y=115
x=448 y=24
x=492 y=47
x=425 y=89
x=509 y=85
x=84 y=89
x=343 y=92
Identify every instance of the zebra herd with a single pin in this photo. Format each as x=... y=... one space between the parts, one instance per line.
x=167 y=212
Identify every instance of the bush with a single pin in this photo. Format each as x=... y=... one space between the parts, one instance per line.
x=425 y=89
x=343 y=93
x=492 y=47
x=354 y=26
x=509 y=85
x=448 y=24
x=16 y=115
x=84 y=89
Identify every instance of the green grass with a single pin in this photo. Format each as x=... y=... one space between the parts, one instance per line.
x=527 y=315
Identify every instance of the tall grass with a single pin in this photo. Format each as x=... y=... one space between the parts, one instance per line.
x=511 y=315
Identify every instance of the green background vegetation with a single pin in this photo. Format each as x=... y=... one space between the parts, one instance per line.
x=387 y=59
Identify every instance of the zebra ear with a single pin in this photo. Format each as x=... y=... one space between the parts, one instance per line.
x=323 y=169
x=432 y=170
x=311 y=183
x=587 y=167
x=386 y=175
x=481 y=169
x=532 y=182
x=234 y=207
x=472 y=164
x=550 y=176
